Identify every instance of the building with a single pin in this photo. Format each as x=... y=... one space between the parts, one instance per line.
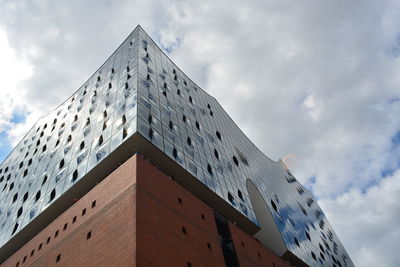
x=141 y=166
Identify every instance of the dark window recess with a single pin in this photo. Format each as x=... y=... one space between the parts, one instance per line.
x=189 y=141
x=48 y=240
x=216 y=154
x=313 y=256
x=15 y=197
x=151 y=133
x=235 y=160
x=62 y=163
x=308 y=236
x=274 y=205
x=56 y=233
x=184 y=118
x=203 y=217
x=88 y=235
x=296 y=241
x=100 y=140
x=83 y=212
x=44 y=180
x=175 y=153
x=74 y=175
x=209 y=246
x=322 y=256
x=209 y=169
x=82 y=145
x=93 y=204
x=40 y=246
x=26 y=196
x=242 y=243
x=240 y=195
x=52 y=194
x=124 y=133
x=259 y=255
x=15 y=228
x=37 y=197
x=218 y=134
x=231 y=198
x=65 y=226
x=188 y=264
x=226 y=243
x=198 y=125
x=150 y=119
x=184 y=230
x=19 y=213
x=179 y=200
x=59 y=255
x=321 y=248
x=74 y=219
x=300 y=190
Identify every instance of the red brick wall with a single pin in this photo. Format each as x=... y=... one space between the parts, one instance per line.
x=111 y=222
x=251 y=253
x=163 y=209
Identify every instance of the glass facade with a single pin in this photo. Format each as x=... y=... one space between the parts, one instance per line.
x=139 y=89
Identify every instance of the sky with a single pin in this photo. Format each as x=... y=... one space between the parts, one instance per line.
x=315 y=83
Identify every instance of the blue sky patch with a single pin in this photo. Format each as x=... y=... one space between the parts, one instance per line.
x=18 y=117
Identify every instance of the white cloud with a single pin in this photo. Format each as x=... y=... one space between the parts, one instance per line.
x=369 y=222
x=313 y=80
x=14 y=70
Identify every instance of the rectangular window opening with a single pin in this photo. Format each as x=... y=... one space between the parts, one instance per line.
x=58 y=258
x=88 y=235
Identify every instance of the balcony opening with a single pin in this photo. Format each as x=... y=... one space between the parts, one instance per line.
x=225 y=238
